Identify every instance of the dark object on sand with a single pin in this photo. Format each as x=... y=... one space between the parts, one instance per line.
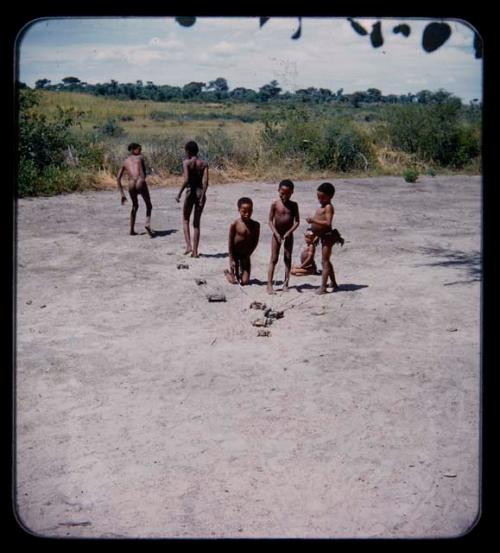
x=262 y=322
x=182 y=266
x=272 y=314
x=216 y=297
x=200 y=281
x=264 y=333
x=258 y=305
x=337 y=238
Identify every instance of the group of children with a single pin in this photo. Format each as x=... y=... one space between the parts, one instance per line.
x=244 y=232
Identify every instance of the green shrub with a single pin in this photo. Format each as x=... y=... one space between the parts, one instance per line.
x=42 y=143
x=111 y=128
x=318 y=142
x=434 y=133
x=160 y=115
x=410 y=175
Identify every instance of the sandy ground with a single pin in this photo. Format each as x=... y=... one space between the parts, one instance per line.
x=143 y=410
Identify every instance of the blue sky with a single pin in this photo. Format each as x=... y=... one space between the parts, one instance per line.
x=329 y=54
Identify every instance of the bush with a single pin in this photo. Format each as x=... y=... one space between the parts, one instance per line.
x=410 y=175
x=42 y=143
x=318 y=142
x=160 y=115
x=434 y=133
x=110 y=128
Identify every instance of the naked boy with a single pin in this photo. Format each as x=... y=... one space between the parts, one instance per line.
x=243 y=239
x=283 y=220
x=135 y=168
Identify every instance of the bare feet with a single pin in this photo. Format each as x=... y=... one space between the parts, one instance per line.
x=321 y=291
x=187 y=250
x=230 y=276
x=270 y=290
x=150 y=231
x=285 y=287
x=133 y=233
x=195 y=254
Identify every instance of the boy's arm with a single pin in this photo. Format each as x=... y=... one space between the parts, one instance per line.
x=232 y=232
x=205 y=183
x=119 y=182
x=255 y=237
x=295 y=225
x=328 y=216
x=185 y=181
x=270 y=222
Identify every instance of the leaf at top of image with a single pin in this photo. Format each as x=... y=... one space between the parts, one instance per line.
x=186 y=21
x=404 y=29
x=435 y=35
x=376 y=35
x=357 y=27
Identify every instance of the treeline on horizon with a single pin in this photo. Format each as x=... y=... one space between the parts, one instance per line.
x=218 y=91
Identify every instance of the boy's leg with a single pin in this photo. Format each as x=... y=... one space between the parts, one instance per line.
x=198 y=210
x=275 y=251
x=186 y=214
x=331 y=274
x=133 y=212
x=245 y=271
x=288 y=248
x=149 y=209
x=326 y=252
x=231 y=273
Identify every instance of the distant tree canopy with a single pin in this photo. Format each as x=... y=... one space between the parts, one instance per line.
x=218 y=90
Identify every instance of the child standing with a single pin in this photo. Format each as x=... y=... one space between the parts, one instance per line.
x=283 y=220
x=321 y=225
x=195 y=178
x=243 y=239
x=135 y=168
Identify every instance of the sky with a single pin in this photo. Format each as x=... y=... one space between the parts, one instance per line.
x=329 y=54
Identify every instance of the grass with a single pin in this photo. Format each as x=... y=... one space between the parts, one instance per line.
x=229 y=135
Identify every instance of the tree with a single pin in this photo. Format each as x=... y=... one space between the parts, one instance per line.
x=357 y=97
x=42 y=83
x=243 y=94
x=192 y=89
x=219 y=85
x=373 y=95
x=70 y=80
x=268 y=91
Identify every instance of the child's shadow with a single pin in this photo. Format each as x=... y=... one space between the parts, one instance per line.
x=164 y=232
x=257 y=281
x=305 y=286
x=216 y=255
x=351 y=287
x=341 y=288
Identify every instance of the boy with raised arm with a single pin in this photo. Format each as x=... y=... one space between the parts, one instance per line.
x=321 y=225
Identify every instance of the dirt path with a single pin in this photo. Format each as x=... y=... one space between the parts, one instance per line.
x=143 y=410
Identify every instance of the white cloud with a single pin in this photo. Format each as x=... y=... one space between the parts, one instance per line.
x=169 y=44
